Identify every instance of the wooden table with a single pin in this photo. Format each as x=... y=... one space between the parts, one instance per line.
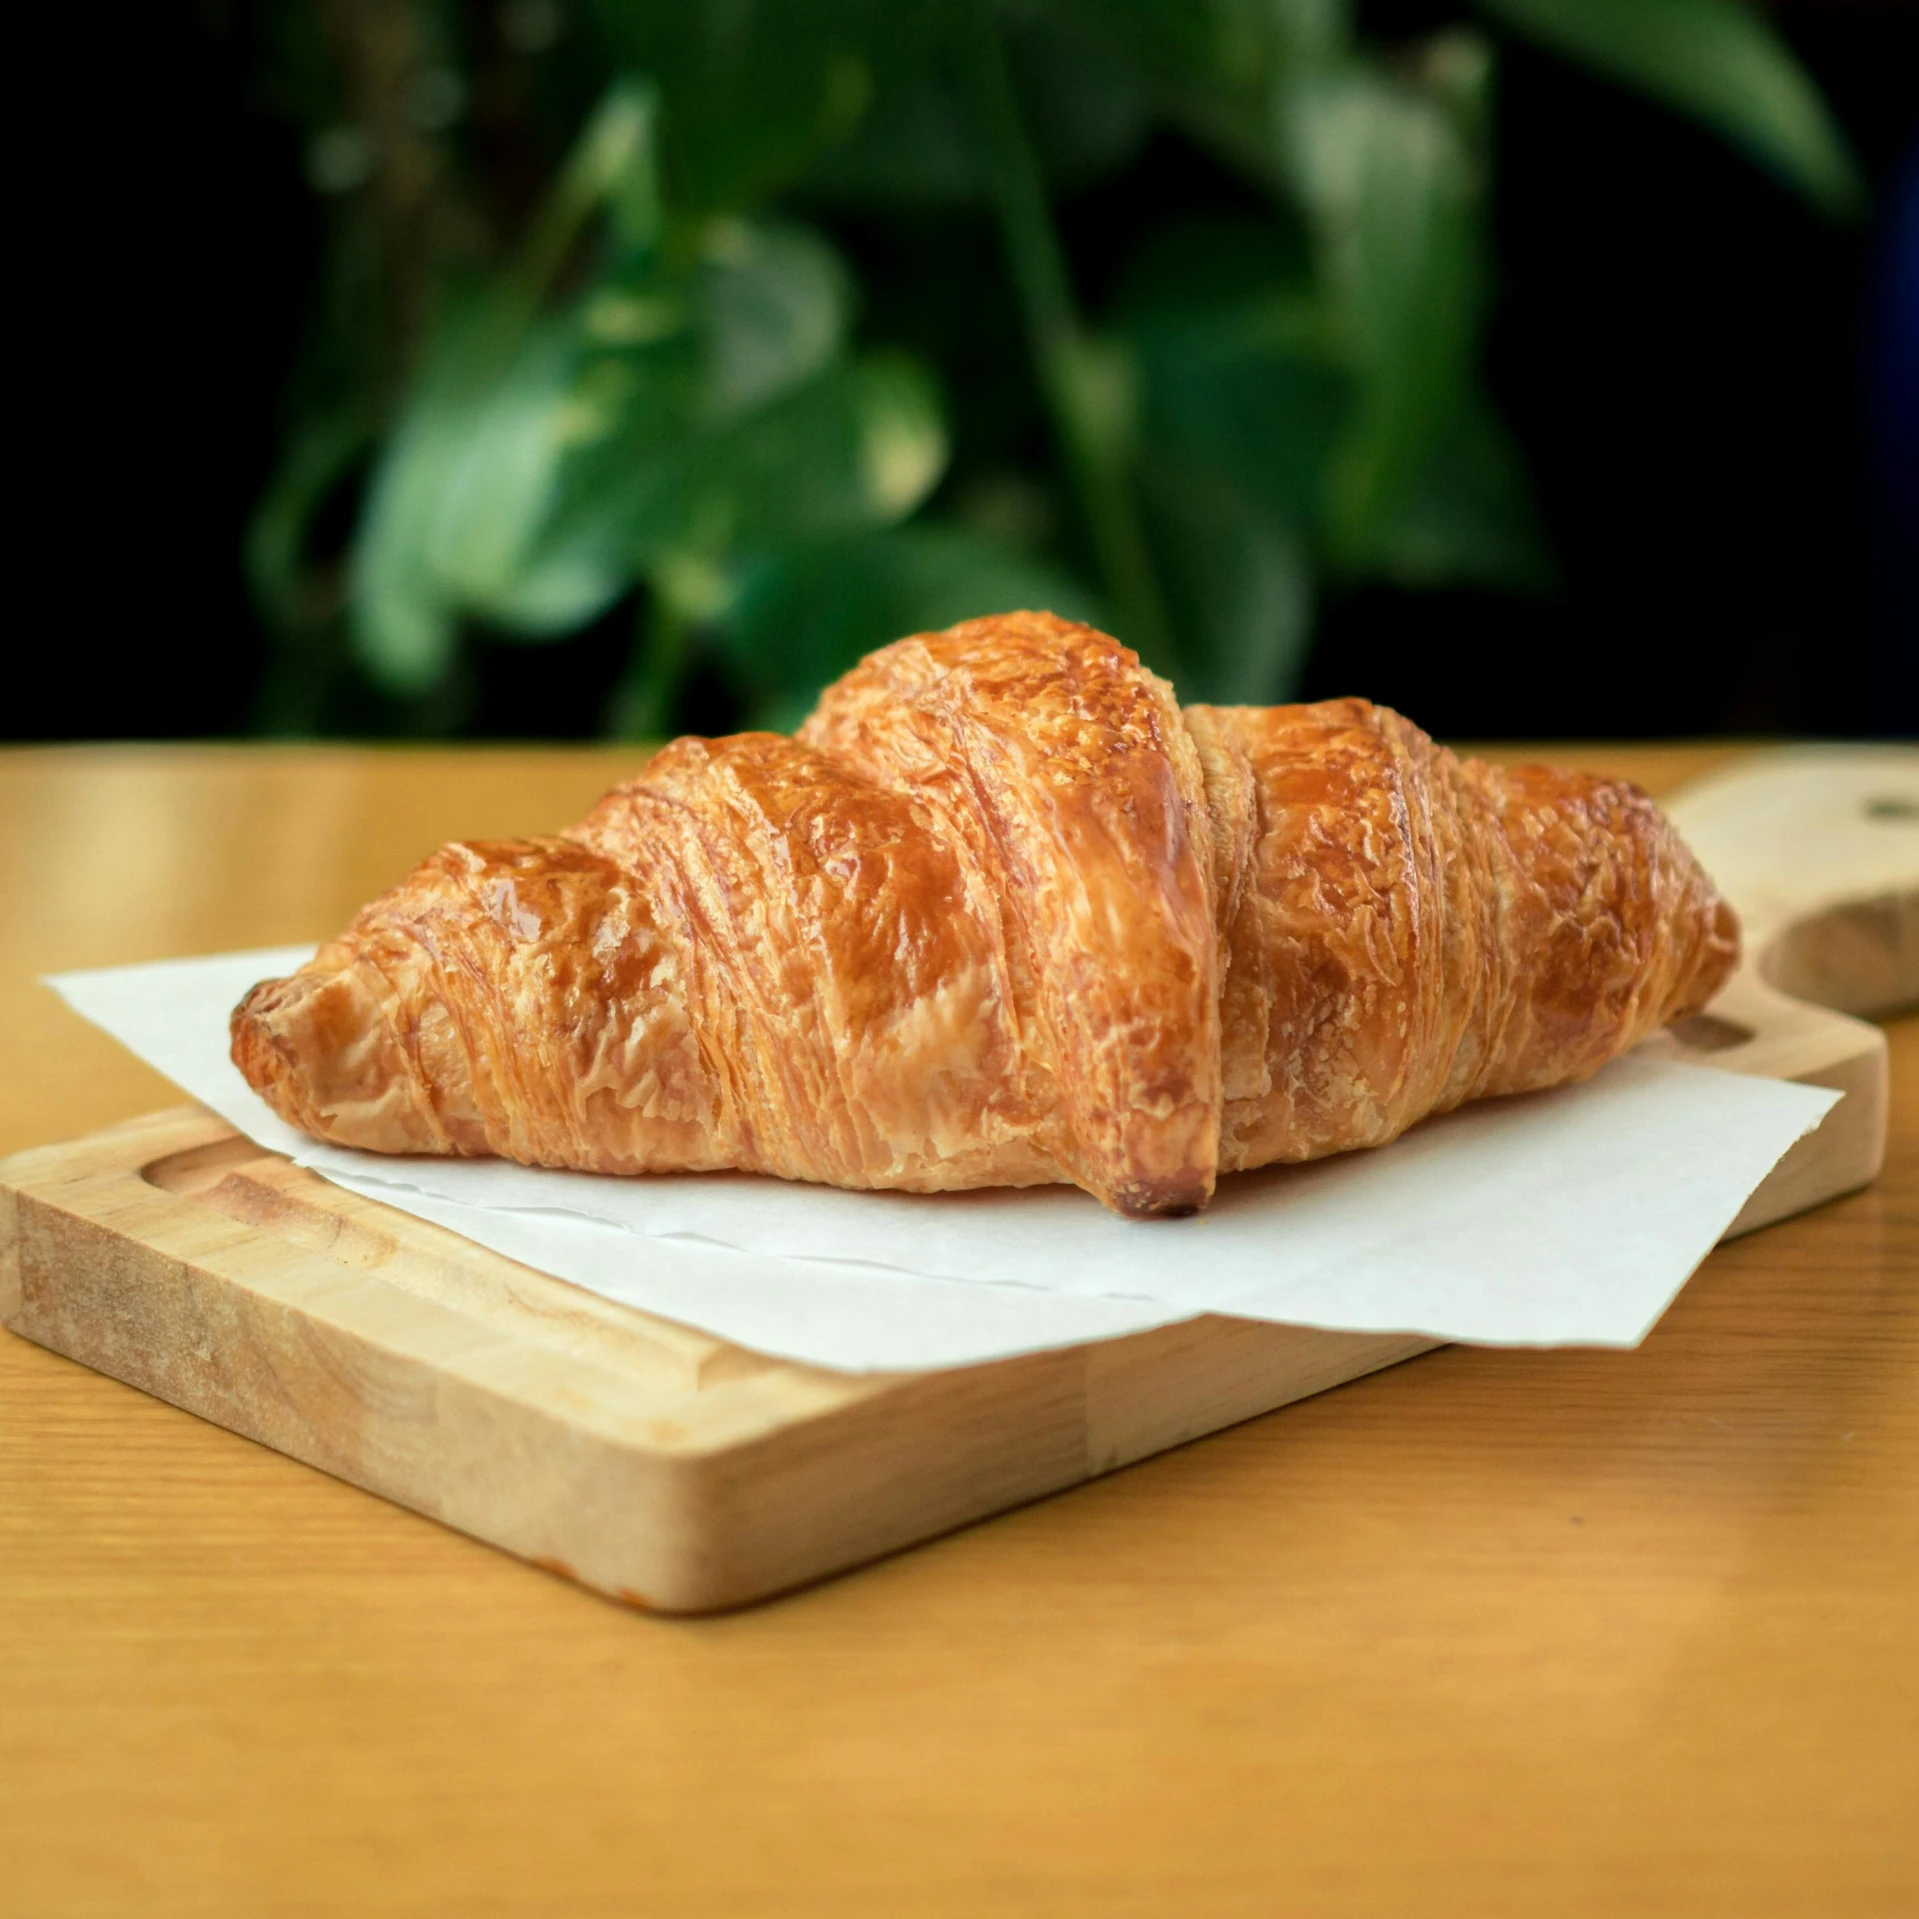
x=1492 y=1633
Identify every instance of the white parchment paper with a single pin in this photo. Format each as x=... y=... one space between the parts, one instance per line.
x=1562 y=1218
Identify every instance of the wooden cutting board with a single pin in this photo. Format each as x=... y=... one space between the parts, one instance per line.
x=670 y=1469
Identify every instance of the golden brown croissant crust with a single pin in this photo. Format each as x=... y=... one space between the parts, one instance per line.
x=1002 y=913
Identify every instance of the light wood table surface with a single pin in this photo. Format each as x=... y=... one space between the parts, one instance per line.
x=1491 y=1633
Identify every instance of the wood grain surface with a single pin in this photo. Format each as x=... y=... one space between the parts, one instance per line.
x=1488 y=1633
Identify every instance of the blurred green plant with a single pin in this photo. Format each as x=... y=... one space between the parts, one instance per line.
x=551 y=382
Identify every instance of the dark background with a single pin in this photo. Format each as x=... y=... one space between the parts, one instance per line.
x=1693 y=362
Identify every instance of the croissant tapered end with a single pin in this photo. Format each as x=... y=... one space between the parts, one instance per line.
x=320 y=1049
x=1622 y=929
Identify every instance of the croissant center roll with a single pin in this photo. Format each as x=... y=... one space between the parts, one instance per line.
x=1002 y=913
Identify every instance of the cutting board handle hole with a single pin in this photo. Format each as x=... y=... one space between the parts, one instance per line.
x=201 y=1168
x=1861 y=957
x=1892 y=806
x=1708 y=1033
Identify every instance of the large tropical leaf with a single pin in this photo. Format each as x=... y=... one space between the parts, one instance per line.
x=1395 y=191
x=471 y=511
x=688 y=404
x=1717 y=60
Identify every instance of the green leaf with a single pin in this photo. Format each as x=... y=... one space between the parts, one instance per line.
x=1244 y=402
x=469 y=474
x=618 y=163
x=540 y=463
x=914 y=148
x=402 y=621
x=1232 y=48
x=754 y=90
x=804 y=615
x=1089 y=109
x=859 y=446
x=460 y=516
x=497 y=473
x=903 y=443
x=1241 y=581
x=614 y=164
x=772 y=304
x=279 y=573
x=682 y=372
x=1467 y=516
x=1248 y=389
x=656 y=481
x=1216 y=65
x=1716 y=60
x=1395 y=194
x=1206 y=262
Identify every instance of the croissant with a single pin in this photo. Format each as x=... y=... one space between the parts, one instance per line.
x=1002 y=913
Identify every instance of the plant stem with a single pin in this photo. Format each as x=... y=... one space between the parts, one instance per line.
x=1077 y=382
x=611 y=161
